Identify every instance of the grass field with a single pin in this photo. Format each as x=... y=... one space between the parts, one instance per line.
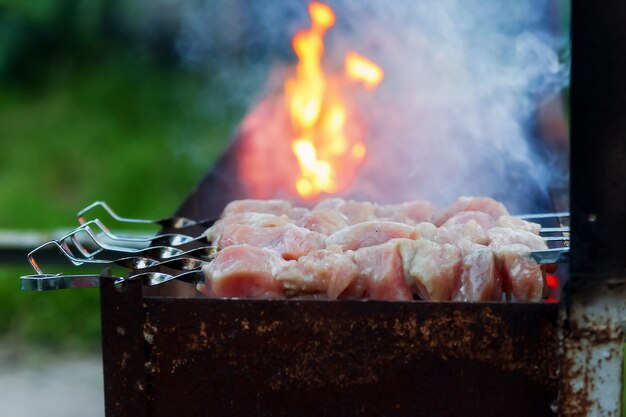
x=124 y=132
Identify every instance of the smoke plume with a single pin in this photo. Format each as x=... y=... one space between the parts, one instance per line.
x=457 y=112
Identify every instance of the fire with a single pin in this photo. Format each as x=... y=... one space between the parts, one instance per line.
x=327 y=156
x=362 y=69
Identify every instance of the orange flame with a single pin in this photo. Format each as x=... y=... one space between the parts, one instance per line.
x=362 y=69
x=326 y=156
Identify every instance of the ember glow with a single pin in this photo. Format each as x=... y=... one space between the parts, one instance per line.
x=327 y=156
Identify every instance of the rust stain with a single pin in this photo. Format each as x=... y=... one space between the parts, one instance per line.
x=176 y=363
x=197 y=341
x=245 y=324
x=353 y=347
x=148 y=332
x=265 y=328
x=577 y=379
x=125 y=357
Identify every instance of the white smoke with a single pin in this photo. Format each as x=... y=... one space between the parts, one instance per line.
x=456 y=113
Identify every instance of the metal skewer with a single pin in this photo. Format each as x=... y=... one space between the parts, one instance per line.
x=48 y=282
x=169 y=222
x=557 y=215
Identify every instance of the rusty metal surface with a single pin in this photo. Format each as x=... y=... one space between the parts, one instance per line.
x=592 y=367
x=123 y=345
x=317 y=358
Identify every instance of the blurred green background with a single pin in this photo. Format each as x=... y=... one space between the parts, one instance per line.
x=95 y=104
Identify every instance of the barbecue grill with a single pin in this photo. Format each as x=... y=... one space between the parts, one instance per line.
x=167 y=354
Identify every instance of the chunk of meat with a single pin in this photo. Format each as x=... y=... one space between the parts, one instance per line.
x=329 y=204
x=431 y=270
x=371 y=233
x=297 y=213
x=357 y=211
x=277 y=207
x=270 y=249
x=289 y=240
x=244 y=271
x=483 y=219
x=326 y=221
x=246 y=219
x=521 y=275
x=426 y=230
x=326 y=271
x=483 y=204
x=413 y=212
x=354 y=211
x=515 y=223
x=463 y=235
x=501 y=236
x=480 y=279
x=380 y=274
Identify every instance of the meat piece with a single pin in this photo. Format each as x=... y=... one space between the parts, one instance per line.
x=380 y=274
x=244 y=271
x=325 y=221
x=483 y=204
x=326 y=271
x=483 y=219
x=521 y=275
x=501 y=236
x=431 y=270
x=297 y=213
x=480 y=279
x=515 y=223
x=426 y=230
x=358 y=212
x=465 y=236
x=288 y=240
x=271 y=249
x=371 y=233
x=355 y=211
x=277 y=207
x=248 y=219
x=329 y=204
x=413 y=212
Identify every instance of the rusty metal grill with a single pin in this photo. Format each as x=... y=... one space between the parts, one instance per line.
x=166 y=355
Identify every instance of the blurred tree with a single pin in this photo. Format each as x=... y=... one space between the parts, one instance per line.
x=45 y=33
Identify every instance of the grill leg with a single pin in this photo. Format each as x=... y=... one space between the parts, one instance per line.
x=123 y=349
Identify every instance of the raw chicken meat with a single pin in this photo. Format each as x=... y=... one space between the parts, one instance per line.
x=325 y=221
x=380 y=274
x=431 y=270
x=370 y=234
x=214 y=233
x=500 y=236
x=290 y=241
x=277 y=207
x=244 y=271
x=327 y=271
x=516 y=223
x=522 y=277
x=413 y=212
x=483 y=204
x=480 y=279
x=471 y=251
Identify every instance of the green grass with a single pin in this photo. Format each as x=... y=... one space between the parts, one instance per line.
x=122 y=131
x=125 y=135
x=58 y=320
